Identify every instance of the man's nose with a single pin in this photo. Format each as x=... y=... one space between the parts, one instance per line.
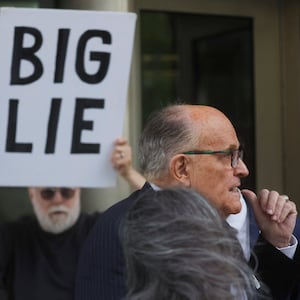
x=241 y=169
x=57 y=198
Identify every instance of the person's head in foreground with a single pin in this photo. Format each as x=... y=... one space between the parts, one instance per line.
x=57 y=209
x=177 y=247
x=194 y=146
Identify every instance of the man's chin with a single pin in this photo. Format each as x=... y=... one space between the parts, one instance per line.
x=58 y=223
x=236 y=210
x=235 y=207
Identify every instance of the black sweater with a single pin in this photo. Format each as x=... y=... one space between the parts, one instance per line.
x=36 y=265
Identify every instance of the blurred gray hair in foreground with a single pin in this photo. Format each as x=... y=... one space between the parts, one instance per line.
x=177 y=247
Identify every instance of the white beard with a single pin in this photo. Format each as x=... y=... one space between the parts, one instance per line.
x=57 y=223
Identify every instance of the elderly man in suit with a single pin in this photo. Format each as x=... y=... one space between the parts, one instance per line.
x=193 y=146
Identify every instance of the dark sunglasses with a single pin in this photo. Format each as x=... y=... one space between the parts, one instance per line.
x=49 y=193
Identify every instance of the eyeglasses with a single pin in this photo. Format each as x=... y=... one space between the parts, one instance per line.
x=49 y=193
x=236 y=154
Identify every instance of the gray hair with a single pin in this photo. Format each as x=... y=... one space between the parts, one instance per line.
x=168 y=132
x=177 y=247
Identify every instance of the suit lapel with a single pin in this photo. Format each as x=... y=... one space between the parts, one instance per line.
x=253 y=227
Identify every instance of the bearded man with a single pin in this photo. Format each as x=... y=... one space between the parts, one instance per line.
x=38 y=254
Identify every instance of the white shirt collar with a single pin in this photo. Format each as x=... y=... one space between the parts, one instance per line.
x=240 y=222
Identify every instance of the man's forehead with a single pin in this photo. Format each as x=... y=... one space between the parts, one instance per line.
x=216 y=134
x=205 y=112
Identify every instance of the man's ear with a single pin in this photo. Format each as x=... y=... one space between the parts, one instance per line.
x=30 y=193
x=179 y=169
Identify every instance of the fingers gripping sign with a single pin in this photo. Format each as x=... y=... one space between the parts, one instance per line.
x=121 y=156
x=275 y=215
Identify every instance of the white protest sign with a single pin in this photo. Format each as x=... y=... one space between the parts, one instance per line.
x=64 y=80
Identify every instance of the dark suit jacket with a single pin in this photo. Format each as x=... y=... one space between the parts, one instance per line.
x=101 y=265
x=100 y=274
